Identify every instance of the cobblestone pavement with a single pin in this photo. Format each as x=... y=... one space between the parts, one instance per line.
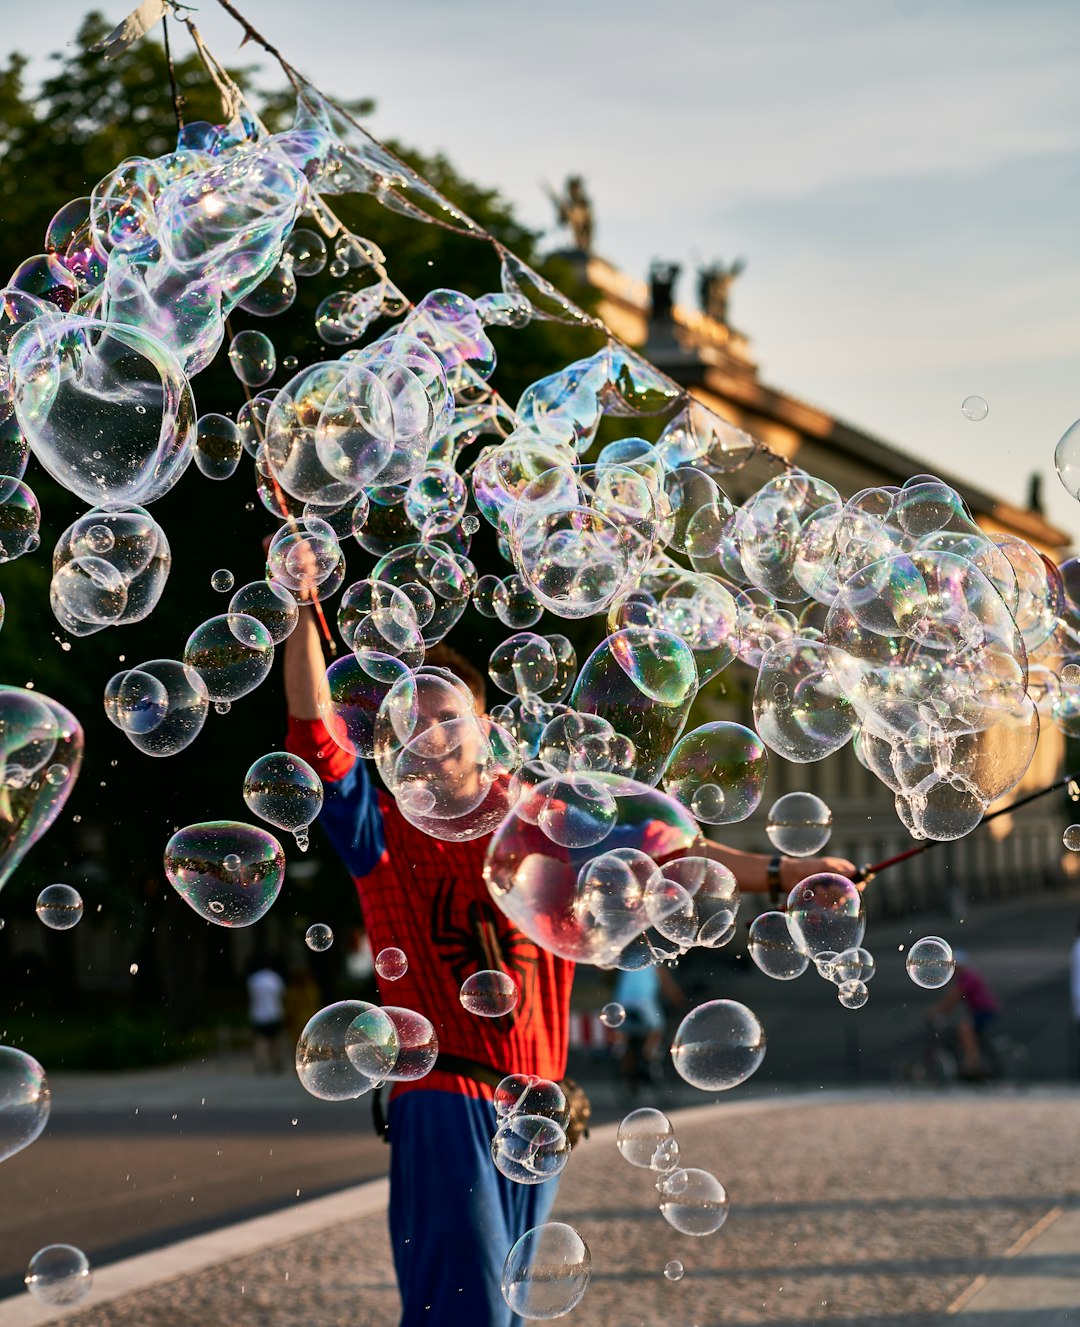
x=875 y=1210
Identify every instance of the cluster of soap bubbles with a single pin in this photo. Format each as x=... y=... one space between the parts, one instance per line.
x=530 y=1143
x=693 y=1201
x=890 y=620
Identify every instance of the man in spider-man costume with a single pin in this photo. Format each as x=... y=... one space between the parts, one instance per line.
x=453 y=1216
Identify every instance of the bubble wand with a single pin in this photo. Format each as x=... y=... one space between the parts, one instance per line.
x=1071 y=781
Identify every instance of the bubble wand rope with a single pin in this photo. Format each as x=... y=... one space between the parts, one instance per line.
x=473 y=229
x=867 y=873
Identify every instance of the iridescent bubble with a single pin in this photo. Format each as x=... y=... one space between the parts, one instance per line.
x=59 y=907
x=161 y=705
x=271 y=604
x=418 y=1046
x=853 y=965
x=1067 y=459
x=20 y=520
x=232 y=653
x=372 y=1043
x=109 y=567
x=1071 y=838
x=799 y=824
x=218 y=448
x=323 y=1063
x=59 y=1275
x=489 y=994
x=974 y=408
x=613 y=1015
x=319 y=937
x=673 y=1270
x=391 y=964
x=222 y=580
x=852 y=994
x=718 y=771
x=528 y=1094
x=774 y=949
x=307 y=249
x=283 y=790
x=930 y=962
x=825 y=911
x=529 y=1149
x=693 y=1201
x=253 y=358
x=24 y=1100
x=234 y=892
x=41 y=745
x=718 y=1045
x=1070 y=675
x=546 y=1273
x=642 y=1135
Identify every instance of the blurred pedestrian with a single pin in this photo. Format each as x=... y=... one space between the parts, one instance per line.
x=266 y=1012
x=1074 y=984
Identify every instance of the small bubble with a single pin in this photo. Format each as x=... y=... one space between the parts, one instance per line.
x=222 y=580
x=133 y=969
x=674 y=1270
x=974 y=408
x=222 y=706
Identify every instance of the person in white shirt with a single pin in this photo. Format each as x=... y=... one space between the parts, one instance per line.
x=266 y=1011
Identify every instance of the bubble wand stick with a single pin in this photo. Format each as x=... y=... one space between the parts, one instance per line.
x=867 y=873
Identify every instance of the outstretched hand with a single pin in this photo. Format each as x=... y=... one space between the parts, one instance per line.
x=794 y=869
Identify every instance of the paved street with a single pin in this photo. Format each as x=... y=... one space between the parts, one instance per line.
x=132 y=1161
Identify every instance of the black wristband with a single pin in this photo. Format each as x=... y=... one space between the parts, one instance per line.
x=772 y=879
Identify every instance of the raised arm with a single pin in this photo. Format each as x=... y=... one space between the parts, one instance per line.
x=304 y=668
x=751 y=869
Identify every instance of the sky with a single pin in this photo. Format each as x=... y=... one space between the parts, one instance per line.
x=902 y=176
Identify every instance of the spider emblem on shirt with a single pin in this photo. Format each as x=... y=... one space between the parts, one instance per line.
x=486 y=942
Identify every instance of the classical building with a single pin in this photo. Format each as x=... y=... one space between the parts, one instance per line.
x=715 y=363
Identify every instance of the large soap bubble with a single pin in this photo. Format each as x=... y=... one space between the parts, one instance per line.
x=41 y=747
x=324 y=1064
x=24 y=1100
x=825 y=911
x=232 y=653
x=59 y=1276
x=718 y=772
x=105 y=406
x=718 y=1045
x=560 y=900
x=109 y=568
x=547 y=1272
x=228 y=872
x=161 y=705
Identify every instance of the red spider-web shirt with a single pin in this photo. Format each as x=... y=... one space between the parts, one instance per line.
x=428 y=898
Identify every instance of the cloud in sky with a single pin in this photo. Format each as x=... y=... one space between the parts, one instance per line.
x=901 y=175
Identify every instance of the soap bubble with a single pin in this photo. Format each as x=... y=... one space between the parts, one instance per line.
x=930 y=962
x=271 y=604
x=718 y=772
x=1071 y=838
x=59 y=1275
x=693 y=1201
x=217 y=448
x=20 y=520
x=528 y=1094
x=283 y=790
x=59 y=907
x=41 y=745
x=229 y=873
x=852 y=994
x=222 y=580
x=774 y=948
x=253 y=358
x=974 y=408
x=825 y=911
x=307 y=250
x=529 y=1149
x=489 y=994
x=323 y=1064
x=586 y=904
x=613 y=1015
x=106 y=408
x=161 y=705
x=799 y=824
x=418 y=1046
x=391 y=964
x=24 y=1100
x=546 y=1273
x=232 y=653
x=718 y=1045
x=319 y=937
x=109 y=568
x=853 y=965
x=372 y=1043
x=642 y=1134
x=673 y=1270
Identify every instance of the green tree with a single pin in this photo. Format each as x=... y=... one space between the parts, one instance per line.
x=56 y=142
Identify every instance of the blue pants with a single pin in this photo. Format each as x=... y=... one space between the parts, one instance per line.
x=453 y=1216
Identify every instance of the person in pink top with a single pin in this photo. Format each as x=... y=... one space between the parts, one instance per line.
x=977 y=1008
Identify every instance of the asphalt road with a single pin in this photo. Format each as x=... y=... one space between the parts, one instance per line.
x=136 y=1161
